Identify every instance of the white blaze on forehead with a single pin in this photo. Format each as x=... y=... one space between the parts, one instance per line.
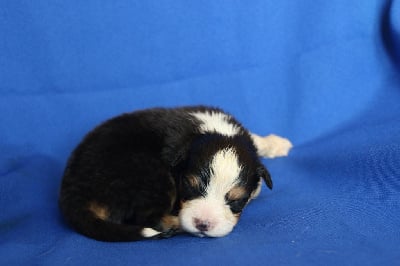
x=216 y=122
x=225 y=171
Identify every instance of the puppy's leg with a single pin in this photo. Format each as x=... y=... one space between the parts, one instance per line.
x=170 y=222
x=169 y=226
x=271 y=146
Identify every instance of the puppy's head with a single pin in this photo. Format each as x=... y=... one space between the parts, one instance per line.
x=221 y=176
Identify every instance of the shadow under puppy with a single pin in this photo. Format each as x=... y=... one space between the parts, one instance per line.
x=156 y=172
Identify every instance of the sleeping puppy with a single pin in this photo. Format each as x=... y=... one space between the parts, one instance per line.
x=158 y=172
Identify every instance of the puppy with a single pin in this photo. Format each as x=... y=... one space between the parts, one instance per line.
x=157 y=172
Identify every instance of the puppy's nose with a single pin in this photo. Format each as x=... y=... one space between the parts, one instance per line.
x=202 y=225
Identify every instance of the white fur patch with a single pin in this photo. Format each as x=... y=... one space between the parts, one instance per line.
x=271 y=146
x=257 y=191
x=212 y=208
x=149 y=232
x=225 y=170
x=216 y=122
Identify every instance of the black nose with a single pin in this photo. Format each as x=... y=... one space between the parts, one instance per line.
x=201 y=225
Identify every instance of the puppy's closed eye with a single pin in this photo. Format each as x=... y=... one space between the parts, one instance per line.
x=237 y=205
x=236 y=199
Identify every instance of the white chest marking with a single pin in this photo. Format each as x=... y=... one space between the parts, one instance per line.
x=216 y=122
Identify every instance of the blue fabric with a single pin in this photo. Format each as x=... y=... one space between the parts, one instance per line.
x=323 y=73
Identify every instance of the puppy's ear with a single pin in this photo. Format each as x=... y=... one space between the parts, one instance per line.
x=263 y=172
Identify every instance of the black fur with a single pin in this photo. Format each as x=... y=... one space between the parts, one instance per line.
x=135 y=166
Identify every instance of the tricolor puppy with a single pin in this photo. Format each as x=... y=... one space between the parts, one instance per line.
x=157 y=172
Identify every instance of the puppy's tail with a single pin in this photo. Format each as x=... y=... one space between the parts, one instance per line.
x=93 y=221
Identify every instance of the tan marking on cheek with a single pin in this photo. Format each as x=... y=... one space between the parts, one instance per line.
x=236 y=193
x=185 y=204
x=99 y=211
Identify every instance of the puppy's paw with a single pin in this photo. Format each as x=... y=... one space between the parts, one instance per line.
x=272 y=146
x=171 y=232
x=170 y=226
x=148 y=232
x=151 y=233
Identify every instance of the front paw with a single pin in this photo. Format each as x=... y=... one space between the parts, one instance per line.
x=169 y=233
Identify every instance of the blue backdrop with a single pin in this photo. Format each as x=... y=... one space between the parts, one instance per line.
x=323 y=73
